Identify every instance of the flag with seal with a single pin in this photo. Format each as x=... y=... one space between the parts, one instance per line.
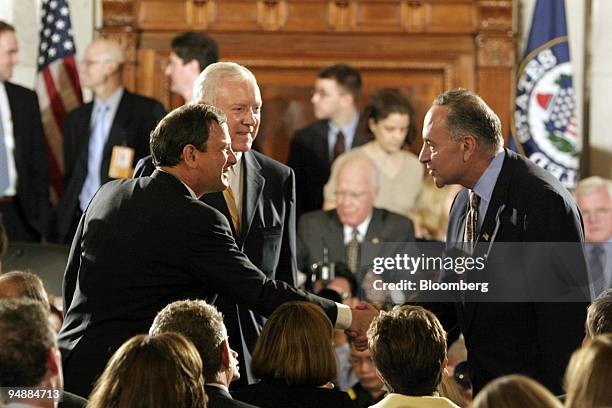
x=544 y=126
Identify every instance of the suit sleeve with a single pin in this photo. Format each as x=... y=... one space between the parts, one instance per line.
x=287 y=265
x=233 y=276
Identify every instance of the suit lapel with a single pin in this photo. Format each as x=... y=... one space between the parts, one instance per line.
x=498 y=198
x=217 y=201
x=375 y=229
x=118 y=132
x=252 y=189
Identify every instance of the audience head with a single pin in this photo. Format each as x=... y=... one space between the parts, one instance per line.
x=430 y=215
x=158 y=371
x=233 y=89
x=17 y=284
x=101 y=67
x=513 y=391
x=599 y=316
x=408 y=346
x=390 y=119
x=337 y=92
x=29 y=356
x=356 y=190
x=295 y=346
x=9 y=51
x=203 y=325
x=193 y=143
x=344 y=283
x=589 y=375
x=190 y=53
x=460 y=136
x=363 y=367
x=594 y=198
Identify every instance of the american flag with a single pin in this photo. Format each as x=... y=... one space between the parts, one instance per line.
x=57 y=83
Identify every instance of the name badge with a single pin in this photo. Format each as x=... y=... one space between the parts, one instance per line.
x=122 y=159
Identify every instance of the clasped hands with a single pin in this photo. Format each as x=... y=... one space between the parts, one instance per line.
x=363 y=314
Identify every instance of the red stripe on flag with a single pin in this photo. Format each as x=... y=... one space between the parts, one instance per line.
x=54 y=99
x=73 y=74
x=55 y=173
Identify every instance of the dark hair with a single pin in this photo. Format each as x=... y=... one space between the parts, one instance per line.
x=189 y=124
x=4 y=26
x=342 y=271
x=295 y=346
x=199 y=322
x=346 y=76
x=28 y=284
x=468 y=113
x=408 y=346
x=152 y=371
x=26 y=337
x=386 y=101
x=191 y=46
x=599 y=315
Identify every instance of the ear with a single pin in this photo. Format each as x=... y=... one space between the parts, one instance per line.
x=470 y=146
x=444 y=366
x=194 y=67
x=225 y=355
x=189 y=155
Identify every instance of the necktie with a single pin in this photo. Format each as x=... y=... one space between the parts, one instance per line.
x=94 y=158
x=339 y=147
x=596 y=267
x=471 y=223
x=230 y=200
x=352 y=252
x=4 y=176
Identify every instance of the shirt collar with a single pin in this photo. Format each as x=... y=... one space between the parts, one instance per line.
x=348 y=130
x=486 y=183
x=218 y=385
x=112 y=102
x=362 y=229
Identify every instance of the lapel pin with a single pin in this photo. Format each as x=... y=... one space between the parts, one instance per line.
x=485 y=236
x=375 y=241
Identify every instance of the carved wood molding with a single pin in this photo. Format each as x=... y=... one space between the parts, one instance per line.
x=496 y=50
x=118 y=13
x=495 y=15
x=272 y=15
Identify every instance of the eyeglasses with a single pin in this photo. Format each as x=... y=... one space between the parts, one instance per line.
x=598 y=212
x=349 y=194
x=87 y=62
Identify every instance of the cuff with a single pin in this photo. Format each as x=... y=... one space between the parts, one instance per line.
x=344 y=317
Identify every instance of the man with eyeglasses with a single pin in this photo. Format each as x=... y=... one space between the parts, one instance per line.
x=594 y=198
x=339 y=233
x=103 y=139
x=337 y=129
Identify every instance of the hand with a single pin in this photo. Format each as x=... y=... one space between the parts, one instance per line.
x=363 y=314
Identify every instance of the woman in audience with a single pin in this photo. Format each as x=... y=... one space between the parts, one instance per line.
x=158 y=371
x=294 y=358
x=511 y=391
x=391 y=121
x=588 y=379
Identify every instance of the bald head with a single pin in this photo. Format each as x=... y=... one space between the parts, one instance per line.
x=101 y=67
x=108 y=50
x=356 y=190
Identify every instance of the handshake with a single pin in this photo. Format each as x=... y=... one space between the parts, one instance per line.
x=362 y=315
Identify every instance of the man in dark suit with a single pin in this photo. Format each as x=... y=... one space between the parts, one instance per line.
x=104 y=138
x=24 y=180
x=146 y=242
x=506 y=198
x=354 y=221
x=261 y=208
x=314 y=148
x=203 y=325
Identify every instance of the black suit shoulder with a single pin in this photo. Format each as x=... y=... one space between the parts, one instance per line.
x=271 y=166
x=22 y=92
x=218 y=398
x=276 y=394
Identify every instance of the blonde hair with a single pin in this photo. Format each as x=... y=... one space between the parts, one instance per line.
x=588 y=377
x=296 y=346
x=512 y=391
x=158 y=371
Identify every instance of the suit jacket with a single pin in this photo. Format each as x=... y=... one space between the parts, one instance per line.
x=536 y=339
x=132 y=256
x=322 y=229
x=267 y=237
x=274 y=394
x=309 y=158
x=219 y=398
x=134 y=120
x=30 y=156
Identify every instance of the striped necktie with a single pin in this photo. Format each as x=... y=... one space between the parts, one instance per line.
x=230 y=200
x=471 y=223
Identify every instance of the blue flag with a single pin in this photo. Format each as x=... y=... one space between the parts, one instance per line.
x=544 y=126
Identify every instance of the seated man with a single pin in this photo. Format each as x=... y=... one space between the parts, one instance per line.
x=599 y=317
x=203 y=325
x=369 y=389
x=408 y=347
x=29 y=356
x=337 y=235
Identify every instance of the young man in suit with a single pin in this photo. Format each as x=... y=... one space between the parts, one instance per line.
x=353 y=222
x=190 y=53
x=506 y=198
x=202 y=324
x=261 y=206
x=146 y=242
x=116 y=125
x=314 y=148
x=24 y=180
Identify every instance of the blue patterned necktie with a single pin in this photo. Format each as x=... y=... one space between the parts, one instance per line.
x=4 y=176
x=94 y=158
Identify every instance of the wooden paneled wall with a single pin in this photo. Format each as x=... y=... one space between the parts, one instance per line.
x=422 y=46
